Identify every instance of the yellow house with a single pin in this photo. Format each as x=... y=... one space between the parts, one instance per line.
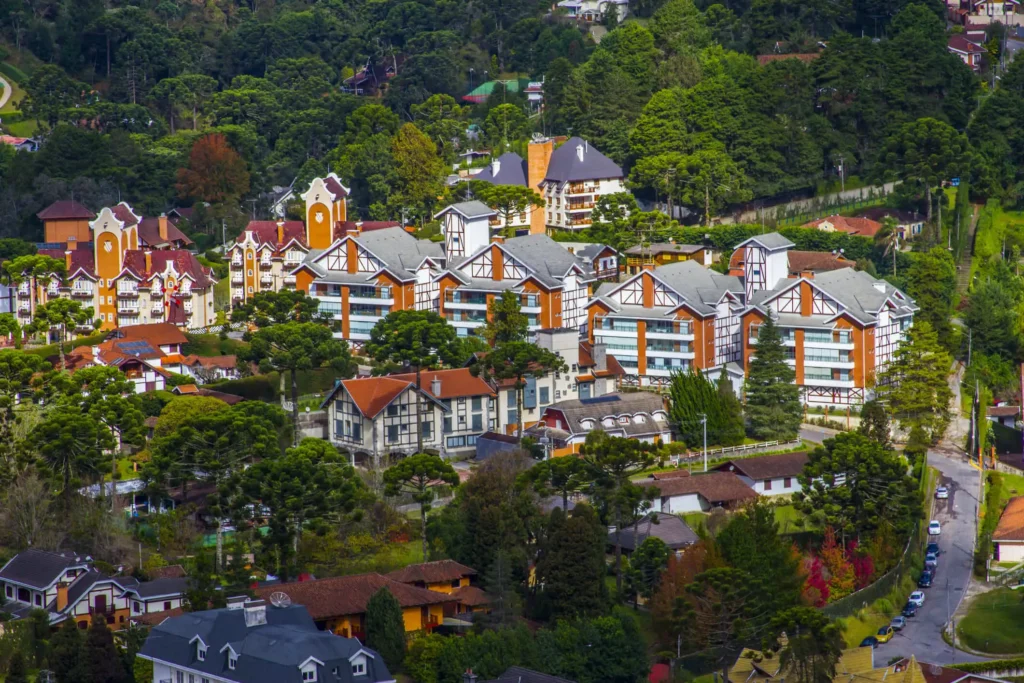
x=338 y=604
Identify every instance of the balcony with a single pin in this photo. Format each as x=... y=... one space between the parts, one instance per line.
x=128 y=294
x=104 y=609
x=615 y=327
x=472 y=317
x=370 y=295
x=330 y=308
x=833 y=339
x=185 y=293
x=81 y=293
x=236 y=263
x=579 y=206
x=156 y=292
x=530 y=301
x=127 y=310
x=669 y=349
x=52 y=291
x=670 y=330
x=289 y=280
x=23 y=292
x=236 y=278
x=607 y=273
x=157 y=312
x=266 y=263
x=579 y=222
x=24 y=307
x=292 y=261
x=581 y=188
x=266 y=279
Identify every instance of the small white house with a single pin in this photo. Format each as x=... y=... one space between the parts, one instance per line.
x=1004 y=415
x=1008 y=538
x=680 y=492
x=769 y=475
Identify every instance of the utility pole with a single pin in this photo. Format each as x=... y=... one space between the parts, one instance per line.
x=704 y=426
x=224 y=233
x=842 y=174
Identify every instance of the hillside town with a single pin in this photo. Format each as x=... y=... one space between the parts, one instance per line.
x=594 y=341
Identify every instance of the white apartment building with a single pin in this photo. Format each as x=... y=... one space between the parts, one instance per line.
x=577 y=176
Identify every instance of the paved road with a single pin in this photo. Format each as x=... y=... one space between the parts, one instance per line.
x=958 y=516
x=6 y=93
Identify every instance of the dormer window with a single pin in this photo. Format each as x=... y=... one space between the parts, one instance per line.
x=232 y=662
x=201 y=652
x=309 y=674
x=359 y=669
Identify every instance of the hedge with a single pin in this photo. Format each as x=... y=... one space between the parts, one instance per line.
x=265 y=387
x=992 y=665
x=13 y=72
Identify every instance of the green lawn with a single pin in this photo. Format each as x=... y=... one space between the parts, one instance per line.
x=212 y=345
x=124 y=468
x=222 y=295
x=994 y=623
x=391 y=557
x=858 y=627
x=51 y=349
x=1013 y=485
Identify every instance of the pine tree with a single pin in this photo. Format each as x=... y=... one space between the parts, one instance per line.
x=66 y=656
x=572 y=570
x=874 y=423
x=101 y=659
x=385 y=628
x=694 y=398
x=731 y=428
x=17 y=670
x=499 y=581
x=915 y=383
x=773 y=400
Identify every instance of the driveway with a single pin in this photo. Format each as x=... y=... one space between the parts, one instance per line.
x=958 y=516
x=5 y=94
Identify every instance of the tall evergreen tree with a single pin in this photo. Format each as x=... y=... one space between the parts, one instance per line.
x=874 y=423
x=102 y=662
x=731 y=428
x=385 y=628
x=773 y=400
x=694 y=399
x=66 y=656
x=915 y=385
x=17 y=670
x=572 y=567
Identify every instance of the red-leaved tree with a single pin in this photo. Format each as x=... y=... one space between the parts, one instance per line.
x=863 y=564
x=815 y=590
x=215 y=173
x=840 y=572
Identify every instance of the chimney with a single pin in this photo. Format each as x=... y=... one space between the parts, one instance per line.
x=538 y=155
x=495 y=167
x=149 y=261
x=880 y=286
x=435 y=387
x=807 y=274
x=647 y=266
x=600 y=355
x=280 y=232
x=62 y=596
x=255 y=613
x=237 y=601
x=67 y=261
x=162 y=226
x=579 y=152
x=469 y=676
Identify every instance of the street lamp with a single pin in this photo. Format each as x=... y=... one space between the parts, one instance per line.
x=544 y=442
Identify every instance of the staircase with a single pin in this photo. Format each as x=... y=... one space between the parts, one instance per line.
x=963 y=276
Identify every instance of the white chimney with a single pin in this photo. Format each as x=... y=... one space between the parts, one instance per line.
x=435 y=387
x=255 y=613
x=495 y=167
x=579 y=152
x=237 y=601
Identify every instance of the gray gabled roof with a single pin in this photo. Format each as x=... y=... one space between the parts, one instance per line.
x=400 y=252
x=519 y=674
x=771 y=241
x=267 y=653
x=577 y=410
x=511 y=171
x=862 y=295
x=671 y=529
x=701 y=287
x=474 y=208
x=40 y=568
x=548 y=261
x=566 y=164
x=161 y=587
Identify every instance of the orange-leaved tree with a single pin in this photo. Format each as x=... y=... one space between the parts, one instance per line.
x=215 y=173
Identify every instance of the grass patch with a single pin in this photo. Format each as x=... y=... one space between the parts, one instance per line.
x=124 y=468
x=222 y=295
x=23 y=129
x=694 y=520
x=212 y=345
x=1013 y=485
x=861 y=625
x=51 y=349
x=389 y=558
x=717 y=459
x=994 y=623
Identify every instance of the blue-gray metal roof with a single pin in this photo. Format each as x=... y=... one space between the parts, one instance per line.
x=578 y=160
x=511 y=171
x=272 y=652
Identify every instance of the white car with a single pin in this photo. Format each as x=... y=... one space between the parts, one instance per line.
x=917 y=598
x=934 y=529
x=942 y=493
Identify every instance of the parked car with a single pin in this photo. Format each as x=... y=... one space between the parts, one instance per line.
x=898 y=623
x=931 y=562
x=934 y=528
x=942 y=493
x=910 y=610
x=933 y=549
x=870 y=641
x=916 y=598
x=885 y=634
x=925 y=581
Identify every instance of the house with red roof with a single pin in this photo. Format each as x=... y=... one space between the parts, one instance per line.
x=263 y=257
x=147 y=354
x=863 y=227
x=969 y=52
x=66 y=222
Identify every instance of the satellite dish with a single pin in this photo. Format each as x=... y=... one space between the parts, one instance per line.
x=279 y=599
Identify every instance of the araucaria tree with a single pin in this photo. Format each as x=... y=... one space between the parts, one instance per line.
x=518 y=360
x=813 y=645
x=297 y=347
x=613 y=461
x=419 y=339
x=509 y=201
x=914 y=384
x=773 y=400
x=506 y=322
x=414 y=475
x=59 y=315
x=276 y=308
x=856 y=486
x=385 y=628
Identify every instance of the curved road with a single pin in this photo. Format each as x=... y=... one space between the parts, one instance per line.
x=958 y=516
x=6 y=93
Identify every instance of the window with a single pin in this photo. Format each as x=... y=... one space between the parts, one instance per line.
x=476 y=404
x=478 y=422
x=359 y=668
x=787 y=482
x=191 y=678
x=167 y=606
x=180 y=676
x=206 y=680
x=250 y=272
x=427 y=429
x=10 y=592
x=462 y=401
x=232 y=662
x=392 y=433
x=24 y=595
x=136 y=606
x=511 y=418
x=201 y=652
x=511 y=402
x=457 y=583
x=462 y=419
x=545 y=395
x=309 y=674
x=767 y=484
x=456 y=441
x=447 y=425
x=392 y=410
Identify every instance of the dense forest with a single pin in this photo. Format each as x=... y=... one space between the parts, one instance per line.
x=124 y=89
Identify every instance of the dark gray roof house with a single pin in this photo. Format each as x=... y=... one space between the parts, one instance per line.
x=671 y=529
x=519 y=674
x=508 y=169
x=575 y=160
x=40 y=568
x=252 y=642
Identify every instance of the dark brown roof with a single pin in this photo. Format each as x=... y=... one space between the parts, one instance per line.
x=471 y=596
x=671 y=474
x=346 y=595
x=1002 y=411
x=156 y=334
x=816 y=262
x=157 y=618
x=715 y=487
x=767 y=466
x=149 y=232
x=65 y=210
x=432 y=572
x=171 y=571
x=878 y=213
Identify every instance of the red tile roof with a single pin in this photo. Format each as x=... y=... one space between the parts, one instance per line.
x=715 y=487
x=157 y=334
x=149 y=232
x=1002 y=411
x=335 y=188
x=224 y=362
x=265 y=232
x=185 y=262
x=432 y=572
x=1011 y=522
x=457 y=383
x=471 y=596
x=65 y=210
x=372 y=394
x=157 y=618
x=961 y=44
x=851 y=226
x=124 y=213
x=347 y=595
x=816 y=262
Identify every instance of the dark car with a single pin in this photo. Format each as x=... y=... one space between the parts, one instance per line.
x=931 y=562
x=870 y=641
x=933 y=549
x=910 y=610
x=925 y=581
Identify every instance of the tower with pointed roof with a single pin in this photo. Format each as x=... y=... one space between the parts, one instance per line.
x=326 y=206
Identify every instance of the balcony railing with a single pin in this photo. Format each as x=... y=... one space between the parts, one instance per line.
x=23 y=292
x=237 y=262
x=614 y=325
x=52 y=291
x=582 y=188
x=81 y=293
x=289 y=280
x=579 y=206
x=466 y=317
x=607 y=272
x=158 y=311
x=826 y=358
x=128 y=293
x=529 y=300
x=579 y=221
x=24 y=306
x=370 y=293
x=125 y=310
x=266 y=263
x=185 y=293
x=451 y=297
x=685 y=327
x=156 y=291
x=106 y=609
x=236 y=278
x=655 y=347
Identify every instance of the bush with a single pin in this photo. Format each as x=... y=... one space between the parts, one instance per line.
x=13 y=72
x=255 y=388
